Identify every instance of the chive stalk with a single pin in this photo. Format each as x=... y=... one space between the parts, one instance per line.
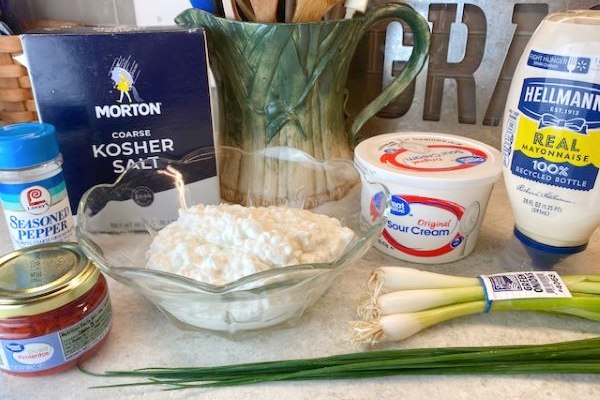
x=579 y=356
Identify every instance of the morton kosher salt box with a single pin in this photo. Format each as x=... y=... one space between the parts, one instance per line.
x=125 y=99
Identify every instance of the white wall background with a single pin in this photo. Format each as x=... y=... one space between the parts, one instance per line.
x=103 y=12
x=158 y=12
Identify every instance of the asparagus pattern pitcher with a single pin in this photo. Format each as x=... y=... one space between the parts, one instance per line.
x=281 y=88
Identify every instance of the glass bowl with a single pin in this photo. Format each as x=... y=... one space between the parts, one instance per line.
x=117 y=223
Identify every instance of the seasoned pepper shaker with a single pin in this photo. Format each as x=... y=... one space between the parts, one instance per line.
x=32 y=186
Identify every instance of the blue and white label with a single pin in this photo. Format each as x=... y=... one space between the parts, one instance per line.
x=399 y=206
x=55 y=349
x=524 y=285
x=562 y=175
x=561 y=103
x=555 y=62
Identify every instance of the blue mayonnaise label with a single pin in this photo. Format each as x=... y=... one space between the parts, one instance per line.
x=561 y=103
x=557 y=134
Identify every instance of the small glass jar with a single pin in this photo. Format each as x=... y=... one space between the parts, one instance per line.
x=33 y=193
x=54 y=309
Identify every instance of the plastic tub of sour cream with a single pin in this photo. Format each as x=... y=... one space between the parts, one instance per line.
x=439 y=185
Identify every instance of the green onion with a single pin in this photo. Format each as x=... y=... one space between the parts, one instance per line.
x=404 y=301
x=408 y=301
x=402 y=278
x=580 y=356
x=399 y=326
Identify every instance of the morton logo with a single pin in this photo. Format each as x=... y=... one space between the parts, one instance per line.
x=124 y=74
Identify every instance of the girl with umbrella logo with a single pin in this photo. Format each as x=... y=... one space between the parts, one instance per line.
x=124 y=73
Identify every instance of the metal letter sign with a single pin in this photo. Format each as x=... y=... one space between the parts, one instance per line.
x=475 y=47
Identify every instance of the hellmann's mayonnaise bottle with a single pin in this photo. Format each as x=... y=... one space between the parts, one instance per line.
x=551 y=136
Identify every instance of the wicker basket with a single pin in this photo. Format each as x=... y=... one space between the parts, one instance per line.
x=16 y=98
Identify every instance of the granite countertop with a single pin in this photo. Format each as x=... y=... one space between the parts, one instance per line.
x=142 y=337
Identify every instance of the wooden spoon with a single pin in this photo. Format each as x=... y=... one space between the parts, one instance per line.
x=337 y=12
x=290 y=5
x=230 y=9
x=265 y=10
x=312 y=10
x=246 y=9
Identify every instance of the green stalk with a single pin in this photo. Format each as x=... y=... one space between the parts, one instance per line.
x=445 y=313
x=589 y=306
x=584 y=287
x=289 y=365
x=452 y=369
x=581 y=356
x=581 y=278
x=421 y=369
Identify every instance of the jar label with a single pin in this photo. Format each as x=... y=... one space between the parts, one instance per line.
x=37 y=212
x=42 y=353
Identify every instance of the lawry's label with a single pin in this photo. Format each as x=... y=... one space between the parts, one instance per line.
x=423 y=226
x=37 y=212
x=557 y=133
x=524 y=285
x=55 y=349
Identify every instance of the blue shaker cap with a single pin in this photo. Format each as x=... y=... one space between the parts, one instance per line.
x=27 y=144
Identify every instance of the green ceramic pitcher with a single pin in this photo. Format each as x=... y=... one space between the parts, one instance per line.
x=283 y=84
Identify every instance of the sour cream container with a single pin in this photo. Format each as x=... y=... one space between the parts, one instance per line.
x=439 y=184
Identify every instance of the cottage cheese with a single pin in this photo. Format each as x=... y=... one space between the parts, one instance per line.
x=222 y=243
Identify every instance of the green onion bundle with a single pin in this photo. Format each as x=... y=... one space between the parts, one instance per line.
x=581 y=356
x=403 y=301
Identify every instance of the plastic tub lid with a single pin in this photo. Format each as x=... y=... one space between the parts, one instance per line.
x=431 y=160
x=27 y=144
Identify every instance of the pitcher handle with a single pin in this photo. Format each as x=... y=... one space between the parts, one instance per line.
x=420 y=29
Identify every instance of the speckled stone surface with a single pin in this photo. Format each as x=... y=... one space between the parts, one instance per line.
x=141 y=337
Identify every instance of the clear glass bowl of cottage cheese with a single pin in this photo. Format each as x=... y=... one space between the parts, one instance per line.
x=176 y=236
